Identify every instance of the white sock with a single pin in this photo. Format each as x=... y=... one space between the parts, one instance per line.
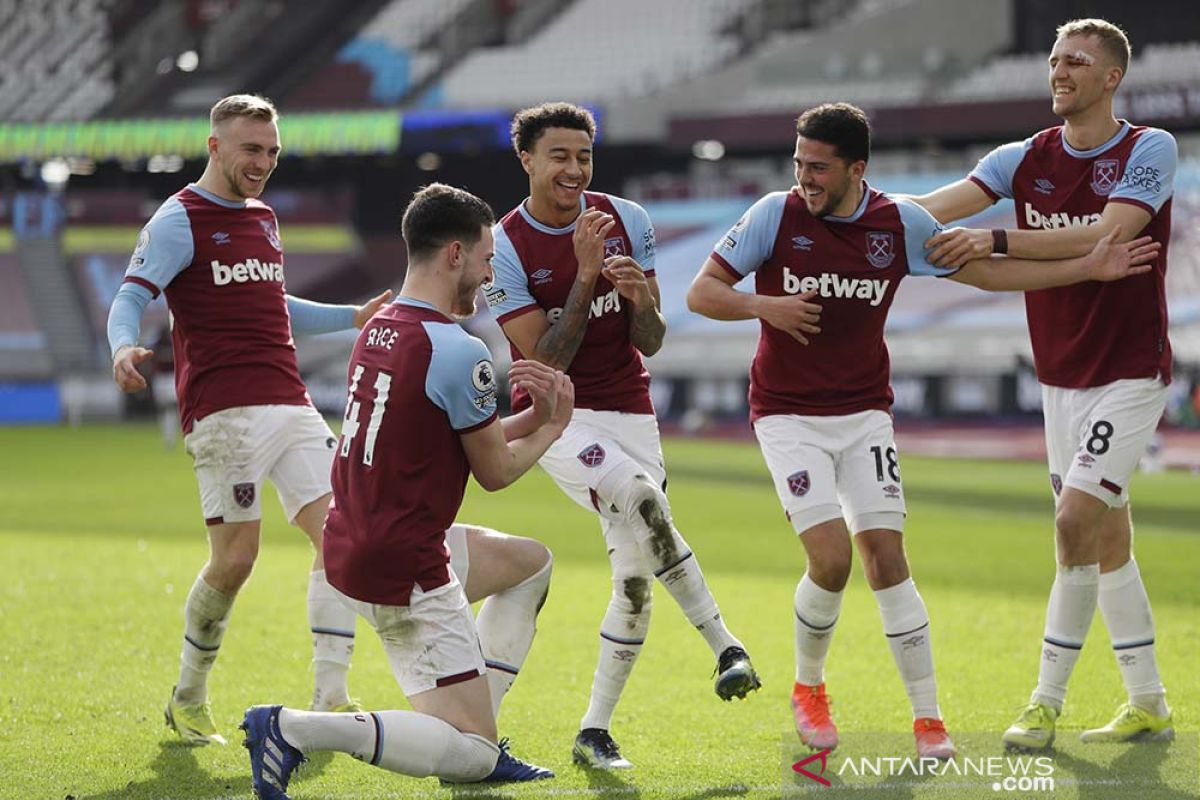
x=685 y=581
x=1126 y=611
x=332 y=625
x=647 y=515
x=400 y=741
x=507 y=623
x=205 y=614
x=906 y=625
x=817 y=612
x=1068 y=617
x=622 y=634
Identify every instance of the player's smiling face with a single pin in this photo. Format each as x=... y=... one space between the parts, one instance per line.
x=560 y=168
x=824 y=179
x=1080 y=73
x=476 y=263
x=246 y=152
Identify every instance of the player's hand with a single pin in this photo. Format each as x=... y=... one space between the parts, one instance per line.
x=540 y=382
x=1111 y=260
x=125 y=371
x=794 y=314
x=590 y=229
x=627 y=275
x=363 y=313
x=957 y=246
x=564 y=405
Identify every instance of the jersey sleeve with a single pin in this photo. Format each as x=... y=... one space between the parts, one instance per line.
x=641 y=231
x=919 y=225
x=750 y=241
x=461 y=379
x=164 y=248
x=311 y=318
x=994 y=172
x=1149 y=178
x=125 y=316
x=508 y=295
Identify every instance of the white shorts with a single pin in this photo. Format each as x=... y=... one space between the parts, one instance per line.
x=830 y=467
x=460 y=561
x=1094 y=437
x=235 y=449
x=601 y=445
x=431 y=642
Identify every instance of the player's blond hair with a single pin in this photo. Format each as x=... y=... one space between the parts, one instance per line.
x=1113 y=40
x=242 y=105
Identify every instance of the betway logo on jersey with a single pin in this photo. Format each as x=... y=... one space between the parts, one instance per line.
x=600 y=306
x=251 y=270
x=830 y=284
x=1036 y=219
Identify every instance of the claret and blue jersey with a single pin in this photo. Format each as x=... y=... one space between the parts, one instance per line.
x=417 y=382
x=535 y=267
x=1091 y=334
x=854 y=265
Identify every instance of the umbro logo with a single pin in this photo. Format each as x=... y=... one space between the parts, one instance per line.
x=220 y=237
x=801 y=243
x=1044 y=186
x=541 y=276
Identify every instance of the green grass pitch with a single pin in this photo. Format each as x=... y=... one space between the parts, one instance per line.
x=102 y=538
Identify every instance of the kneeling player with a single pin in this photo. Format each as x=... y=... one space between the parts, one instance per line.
x=421 y=416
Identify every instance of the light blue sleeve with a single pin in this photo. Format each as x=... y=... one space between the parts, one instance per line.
x=1149 y=177
x=461 y=379
x=751 y=240
x=510 y=291
x=125 y=315
x=640 y=229
x=996 y=169
x=919 y=225
x=310 y=318
x=164 y=247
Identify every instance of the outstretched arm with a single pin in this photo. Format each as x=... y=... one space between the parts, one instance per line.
x=1109 y=260
x=955 y=201
x=957 y=246
x=309 y=317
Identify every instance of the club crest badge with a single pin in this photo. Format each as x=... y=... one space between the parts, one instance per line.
x=799 y=483
x=614 y=246
x=243 y=494
x=881 y=249
x=1056 y=483
x=1105 y=174
x=272 y=232
x=592 y=455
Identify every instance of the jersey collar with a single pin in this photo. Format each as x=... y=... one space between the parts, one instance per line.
x=858 y=212
x=221 y=201
x=1095 y=151
x=546 y=228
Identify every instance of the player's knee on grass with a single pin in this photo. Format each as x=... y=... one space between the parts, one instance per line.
x=469 y=758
